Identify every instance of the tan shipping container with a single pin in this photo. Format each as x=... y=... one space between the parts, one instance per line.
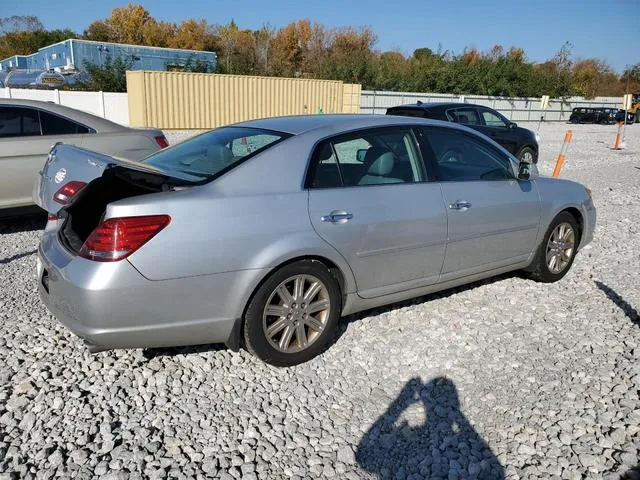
x=179 y=100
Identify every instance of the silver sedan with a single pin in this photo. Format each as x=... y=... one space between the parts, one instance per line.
x=29 y=128
x=264 y=233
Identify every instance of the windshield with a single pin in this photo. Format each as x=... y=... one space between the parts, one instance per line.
x=211 y=154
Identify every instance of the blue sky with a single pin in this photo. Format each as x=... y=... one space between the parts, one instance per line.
x=603 y=29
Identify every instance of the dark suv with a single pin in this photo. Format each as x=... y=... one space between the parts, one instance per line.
x=583 y=115
x=519 y=141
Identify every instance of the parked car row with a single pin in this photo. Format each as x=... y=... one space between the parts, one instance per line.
x=602 y=115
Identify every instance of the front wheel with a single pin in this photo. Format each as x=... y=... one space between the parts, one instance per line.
x=558 y=249
x=292 y=315
x=527 y=155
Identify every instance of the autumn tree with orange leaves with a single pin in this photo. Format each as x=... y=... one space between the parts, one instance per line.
x=309 y=49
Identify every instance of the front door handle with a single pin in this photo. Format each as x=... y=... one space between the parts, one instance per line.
x=337 y=216
x=460 y=205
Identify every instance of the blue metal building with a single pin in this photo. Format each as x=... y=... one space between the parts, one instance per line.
x=71 y=55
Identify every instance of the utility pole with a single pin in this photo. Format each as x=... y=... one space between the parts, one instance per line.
x=626 y=104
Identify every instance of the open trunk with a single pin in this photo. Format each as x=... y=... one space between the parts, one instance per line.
x=107 y=180
x=87 y=210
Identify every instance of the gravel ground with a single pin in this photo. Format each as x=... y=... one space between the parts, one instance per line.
x=503 y=378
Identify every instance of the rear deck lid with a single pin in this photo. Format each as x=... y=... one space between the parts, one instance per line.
x=72 y=167
x=66 y=164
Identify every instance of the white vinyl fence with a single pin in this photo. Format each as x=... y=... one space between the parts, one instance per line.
x=112 y=106
x=515 y=109
x=115 y=107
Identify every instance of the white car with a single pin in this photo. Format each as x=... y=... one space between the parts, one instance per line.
x=28 y=130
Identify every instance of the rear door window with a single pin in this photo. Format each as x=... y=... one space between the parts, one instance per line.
x=18 y=122
x=466 y=116
x=55 y=125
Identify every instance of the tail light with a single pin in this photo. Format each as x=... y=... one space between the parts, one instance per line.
x=68 y=191
x=162 y=141
x=117 y=238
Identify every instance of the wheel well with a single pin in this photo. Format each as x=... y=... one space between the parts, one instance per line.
x=575 y=213
x=332 y=267
x=529 y=146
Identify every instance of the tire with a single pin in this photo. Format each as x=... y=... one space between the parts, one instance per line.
x=293 y=316
x=527 y=151
x=541 y=269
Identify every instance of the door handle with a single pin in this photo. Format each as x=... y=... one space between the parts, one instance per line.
x=337 y=216
x=460 y=205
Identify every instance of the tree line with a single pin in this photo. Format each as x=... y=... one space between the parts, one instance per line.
x=309 y=49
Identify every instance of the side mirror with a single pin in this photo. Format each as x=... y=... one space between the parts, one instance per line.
x=360 y=154
x=527 y=171
x=513 y=125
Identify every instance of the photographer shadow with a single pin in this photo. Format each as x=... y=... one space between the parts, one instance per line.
x=423 y=434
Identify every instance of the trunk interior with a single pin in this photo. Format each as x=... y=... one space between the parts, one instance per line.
x=87 y=210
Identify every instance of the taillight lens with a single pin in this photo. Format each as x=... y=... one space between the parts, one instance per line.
x=117 y=238
x=68 y=191
x=162 y=141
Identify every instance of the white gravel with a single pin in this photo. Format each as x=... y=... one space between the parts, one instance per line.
x=504 y=378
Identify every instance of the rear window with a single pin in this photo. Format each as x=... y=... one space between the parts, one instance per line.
x=55 y=125
x=408 y=112
x=211 y=154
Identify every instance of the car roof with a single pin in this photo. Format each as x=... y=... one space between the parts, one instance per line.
x=426 y=106
x=99 y=124
x=330 y=123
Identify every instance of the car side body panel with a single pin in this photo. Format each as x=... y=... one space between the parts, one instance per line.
x=557 y=195
x=112 y=305
x=20 y=160
x=499 y=228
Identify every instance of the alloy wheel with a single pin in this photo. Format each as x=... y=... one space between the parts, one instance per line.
x=560 y=247
x=527 y=157
x=296 y=313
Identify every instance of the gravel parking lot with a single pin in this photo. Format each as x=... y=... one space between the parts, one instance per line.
x=503 y=378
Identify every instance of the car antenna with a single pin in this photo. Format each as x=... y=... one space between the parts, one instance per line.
x=419 y=102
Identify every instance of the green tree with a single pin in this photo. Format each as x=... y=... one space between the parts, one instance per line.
x=108 y=77
x=392 y=72
x=350 y=56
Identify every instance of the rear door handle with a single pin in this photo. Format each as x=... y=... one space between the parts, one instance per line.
x=460 y=205
x=337 y=216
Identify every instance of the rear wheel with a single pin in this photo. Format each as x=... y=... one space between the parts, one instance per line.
x=291 y=317
x=558 y=249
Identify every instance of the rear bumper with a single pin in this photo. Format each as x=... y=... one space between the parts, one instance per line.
x=111 y=305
